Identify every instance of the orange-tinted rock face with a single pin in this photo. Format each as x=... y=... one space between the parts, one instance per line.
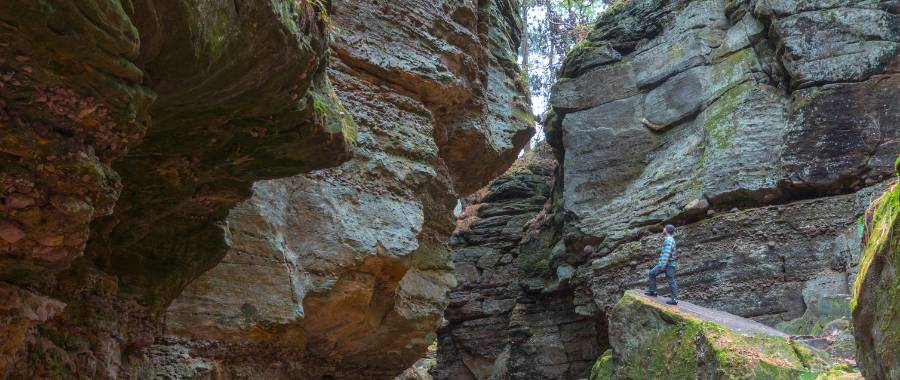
x=132 y=135
x=127 y=132
x=358 y=268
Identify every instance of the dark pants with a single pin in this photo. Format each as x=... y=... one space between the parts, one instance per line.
x=670 y=278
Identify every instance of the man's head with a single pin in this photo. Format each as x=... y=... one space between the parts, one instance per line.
x=669 y=230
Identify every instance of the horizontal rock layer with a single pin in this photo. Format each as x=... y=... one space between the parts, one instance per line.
x=134 y=134
x=497 y=327
x=761 y=128
x=344 y=271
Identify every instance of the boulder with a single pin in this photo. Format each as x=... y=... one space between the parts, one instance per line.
x=877 y=290
x=650 y=339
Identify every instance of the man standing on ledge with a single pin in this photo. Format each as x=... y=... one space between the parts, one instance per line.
x=666 y=263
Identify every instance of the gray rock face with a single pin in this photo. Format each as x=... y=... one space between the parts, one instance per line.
x=761 y=128
x=726 y=107
x=769 y=108
x=496 y=328
x=753 y=263
x=731 y=132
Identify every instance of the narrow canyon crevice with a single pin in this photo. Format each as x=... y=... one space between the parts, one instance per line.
x=757 y=127
x=266 y=190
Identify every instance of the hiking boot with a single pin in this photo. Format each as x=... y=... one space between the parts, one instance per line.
x=651 y=294
x=672 y=302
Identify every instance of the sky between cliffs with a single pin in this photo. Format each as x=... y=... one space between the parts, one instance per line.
x=552 y=28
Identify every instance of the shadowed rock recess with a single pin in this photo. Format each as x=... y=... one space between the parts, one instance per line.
x=155 y=221
x=763 y=129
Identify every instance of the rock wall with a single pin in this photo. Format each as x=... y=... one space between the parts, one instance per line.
x=82 y=83
x=144 y=231
x=875 y=303
x=344 y=272
x=499 y=325
x=761 y=128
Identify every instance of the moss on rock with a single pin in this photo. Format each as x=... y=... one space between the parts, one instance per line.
x=720 y=124
x=876 y=293
x=602 y=368
x=653 y=340
x=897 y=166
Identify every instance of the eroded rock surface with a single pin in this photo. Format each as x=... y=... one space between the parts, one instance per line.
x=876 y=310
x=344 y=272
x=740 y=121
x=129 y=129
x=150 y=122
x=498 y=327
x=761 y=128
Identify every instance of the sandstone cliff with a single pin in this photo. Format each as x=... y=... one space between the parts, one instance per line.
x=143 y=230
x=761 y=128
x=82 y=83
x=495 y=328
x=359 y=250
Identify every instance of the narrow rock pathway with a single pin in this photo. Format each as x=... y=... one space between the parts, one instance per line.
x=728 y=320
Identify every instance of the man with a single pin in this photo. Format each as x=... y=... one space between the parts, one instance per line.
x=666 y=264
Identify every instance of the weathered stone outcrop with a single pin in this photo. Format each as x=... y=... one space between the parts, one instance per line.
x=652 y=340
x=761 y=128
x=344 y=272
x=229 y=93
x=753 y=111
x=743 y=121
x=876 y=302
x=498 y=327
x=80 y=80
x=133 y=131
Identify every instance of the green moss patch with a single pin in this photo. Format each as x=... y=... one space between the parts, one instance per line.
x=652 y=340
x=897 y=166
x=602 y=368
x=876 y=292
x=720 y=123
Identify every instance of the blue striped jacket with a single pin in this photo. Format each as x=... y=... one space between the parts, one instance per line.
x=667 y=256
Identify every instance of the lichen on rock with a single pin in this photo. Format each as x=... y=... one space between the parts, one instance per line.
x=652 y=340
x=876 y=298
